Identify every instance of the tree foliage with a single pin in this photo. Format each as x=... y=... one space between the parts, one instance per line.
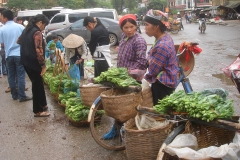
x=16 y=5
x=90 y=3
x=130 y=4
x=118 y=5
x=104 y=4
x=157 y=4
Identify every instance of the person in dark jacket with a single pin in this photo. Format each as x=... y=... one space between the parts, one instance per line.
x=33 y=59
x=200 y=17
x=98 y=45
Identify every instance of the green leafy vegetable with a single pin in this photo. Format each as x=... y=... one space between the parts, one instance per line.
x=116 y=76
x=202 y=105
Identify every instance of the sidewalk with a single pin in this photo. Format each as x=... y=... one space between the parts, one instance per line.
x=232 y=23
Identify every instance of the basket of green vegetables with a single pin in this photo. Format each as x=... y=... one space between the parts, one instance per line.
x=77 y=113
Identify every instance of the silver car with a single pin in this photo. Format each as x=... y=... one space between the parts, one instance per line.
x=78 y=29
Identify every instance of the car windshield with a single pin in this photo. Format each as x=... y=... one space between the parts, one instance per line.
x=79 y=24
x=102 y=14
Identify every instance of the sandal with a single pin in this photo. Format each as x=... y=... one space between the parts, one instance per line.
x=42 y=114
x=8 y=90
x=45 y=108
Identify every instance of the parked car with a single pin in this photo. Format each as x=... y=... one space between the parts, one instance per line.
x=78 y=29
x=67 y=17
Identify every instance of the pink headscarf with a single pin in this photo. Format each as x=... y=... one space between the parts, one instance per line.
x=159 y=15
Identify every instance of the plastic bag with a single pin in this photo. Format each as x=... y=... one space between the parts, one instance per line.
x=231 y=67
x=185 y=140
x=137 y=74
x=145 y=84
x=74 y=72
x=219 y=91
x=72 y=85
x=226 y=152
x=145 y=122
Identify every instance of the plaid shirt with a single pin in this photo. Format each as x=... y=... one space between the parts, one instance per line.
x=39 y=48
x=132 y=52
x=163 y=65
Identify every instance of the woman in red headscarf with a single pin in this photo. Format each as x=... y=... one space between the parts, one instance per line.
x=132 y=48
x=131 y=55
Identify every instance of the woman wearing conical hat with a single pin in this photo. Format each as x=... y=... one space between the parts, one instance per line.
x=75 y=52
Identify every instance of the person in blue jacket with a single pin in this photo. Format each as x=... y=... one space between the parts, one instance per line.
x=50 y=52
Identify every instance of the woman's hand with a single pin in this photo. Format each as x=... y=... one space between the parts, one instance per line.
x=43 y=70
x=78 y=61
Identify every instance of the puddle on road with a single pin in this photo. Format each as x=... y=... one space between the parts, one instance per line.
x=232 y=56
x=223 y=78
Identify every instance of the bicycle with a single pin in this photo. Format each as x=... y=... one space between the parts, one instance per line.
x=105 y=124
x=107 y=131
x=181 y=120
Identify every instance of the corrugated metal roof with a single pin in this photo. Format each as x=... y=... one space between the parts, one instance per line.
x=232 y=4
x=213 y=7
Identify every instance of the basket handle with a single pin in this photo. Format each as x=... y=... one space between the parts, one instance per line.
x=233 y=74
x=231 y=124
x=147 y=110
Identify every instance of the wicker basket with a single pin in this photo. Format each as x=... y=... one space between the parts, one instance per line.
x=120 y=103
x=147 y=99
x=235 y=79
x=90 y=93
x=82 y=123
x=206 y=136
x=175 y=27
x=55 y=96
x=62 y=105
x=143 y=144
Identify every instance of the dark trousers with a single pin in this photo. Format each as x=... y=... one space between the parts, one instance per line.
x=38 y=92
x=159 y=91
x=99 y=67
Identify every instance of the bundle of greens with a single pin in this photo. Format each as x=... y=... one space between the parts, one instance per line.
x=77 y=111
x=116 y=76
x=52 y=46
x=54 y=83
x=47 y=76
x=63 y=98
x=70 y=85
x=200 y=105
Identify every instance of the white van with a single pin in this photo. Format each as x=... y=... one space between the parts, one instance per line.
x=27 y=14
x=65 y=18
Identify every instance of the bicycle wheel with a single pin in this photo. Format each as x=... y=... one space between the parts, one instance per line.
x=102 y=126
x=174 y=31
x=204 y=27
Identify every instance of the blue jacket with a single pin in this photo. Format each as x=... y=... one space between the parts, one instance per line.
x=58 y=45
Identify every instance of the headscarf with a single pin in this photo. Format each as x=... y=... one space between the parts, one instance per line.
x=154 y=16
x=131 y=16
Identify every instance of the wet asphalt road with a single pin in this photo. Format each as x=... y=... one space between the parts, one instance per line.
x=23 y=137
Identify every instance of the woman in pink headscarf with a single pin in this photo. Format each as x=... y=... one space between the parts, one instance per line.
x=162 y=59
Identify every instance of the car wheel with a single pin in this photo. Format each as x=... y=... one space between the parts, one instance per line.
x=113 y=39
x=60 y=38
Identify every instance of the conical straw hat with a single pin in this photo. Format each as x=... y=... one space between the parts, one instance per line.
x=72 y=41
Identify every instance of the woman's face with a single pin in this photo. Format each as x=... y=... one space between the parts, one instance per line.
x=150 y=29
x=129 y=29
x=41 y=25
x=90 y=26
